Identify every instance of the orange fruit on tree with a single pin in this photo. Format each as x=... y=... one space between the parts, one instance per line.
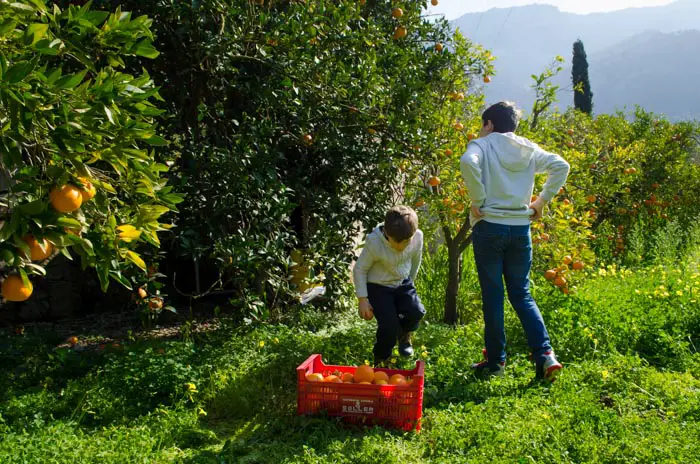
x=434 y=181
x=397 y=13
x=550 y=274
x=364 y=373
x=471 y=137
x=333 y=379
x=397 y=379
x=73 y=340
x=314 y=377
x=578 y=265
x=155 y=303
x=487 y=79
x=88 y=192
x=400 y=32
x=567 y=260
x=434 y=2
x=439 y=47
x=38 y=251
x=591 y=198
x=308 y=139
x=380 y=375
x=13 y=289
x=142 y=293
x=348 y=377
x=66 y=198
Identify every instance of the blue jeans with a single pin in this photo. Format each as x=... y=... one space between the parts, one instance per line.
x=396 y=310
x=505 y=252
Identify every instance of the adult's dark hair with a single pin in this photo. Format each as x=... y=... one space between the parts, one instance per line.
x=504 y=115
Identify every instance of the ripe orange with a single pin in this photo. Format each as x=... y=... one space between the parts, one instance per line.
x=560 y=281
x=88 y=192
x=397 y=379
x=38 y=251
x=591 y=198
x=364 y=373
x=380 y=375
x=13 y=289
x=397 y=13
x=142 y=293
x=381 y=382
x=439 y=47
x=314 y=377
x=348 y=377
x=570 y=144
x=434 y=181
x=333 y=379
x=155 y=303
x=420 y=203
x=570 y=132
x=66 y=198
x=567 y=260
x=550 y=274
x=471 y=137
x=308 y=139
x=566 y=202
x=448 y=152
x=400 y=32
x=73 y=340
x=459 y=126
x=365 y=383
x=487 y=79
x=578 y=265
x=434 y=2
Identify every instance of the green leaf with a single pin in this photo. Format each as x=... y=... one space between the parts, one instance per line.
x=7 y=26
x=35 y=32
x=144 y=48
x=66 y=253
x=19 y=71
x=103 y=275
x=157 y=141
x=25 y=278
x=69 y=222
x=33 y=208
x=119 y=277
x=70 y=81
x=36 y=268
x=22 y=6
x=136 y=259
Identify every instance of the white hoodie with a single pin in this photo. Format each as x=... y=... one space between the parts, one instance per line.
x=499 y=172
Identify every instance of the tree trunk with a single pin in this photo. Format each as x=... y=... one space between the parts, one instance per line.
x=453 y=281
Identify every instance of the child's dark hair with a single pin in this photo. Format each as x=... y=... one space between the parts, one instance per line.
x=401 y=223
x=504 y=115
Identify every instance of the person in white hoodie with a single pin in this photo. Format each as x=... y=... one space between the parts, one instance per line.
x=383 y=276
x=499 y=172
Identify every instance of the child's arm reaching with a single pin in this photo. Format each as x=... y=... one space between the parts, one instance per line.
x=359 y=276
x=470 y=166
x=417 y=256
x=557 y=170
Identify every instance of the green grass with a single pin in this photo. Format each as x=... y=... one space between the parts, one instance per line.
x=630 y=391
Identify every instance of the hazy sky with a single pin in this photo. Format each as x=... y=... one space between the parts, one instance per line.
x=455 y=8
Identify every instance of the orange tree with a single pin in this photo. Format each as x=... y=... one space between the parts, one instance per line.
x=434 y=180
x=629 y=178
x=296 y=120
x=76 y=140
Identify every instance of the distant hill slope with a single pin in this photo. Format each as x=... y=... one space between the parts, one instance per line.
x=646 y=56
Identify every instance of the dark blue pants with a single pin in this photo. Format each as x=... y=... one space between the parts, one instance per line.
x=500 y=252
x=395 y=309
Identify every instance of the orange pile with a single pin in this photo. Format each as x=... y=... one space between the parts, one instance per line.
x=364 y=375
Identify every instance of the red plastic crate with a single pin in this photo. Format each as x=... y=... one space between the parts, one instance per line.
x=389 y=405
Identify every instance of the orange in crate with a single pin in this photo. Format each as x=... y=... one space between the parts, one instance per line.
x=399 y=406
